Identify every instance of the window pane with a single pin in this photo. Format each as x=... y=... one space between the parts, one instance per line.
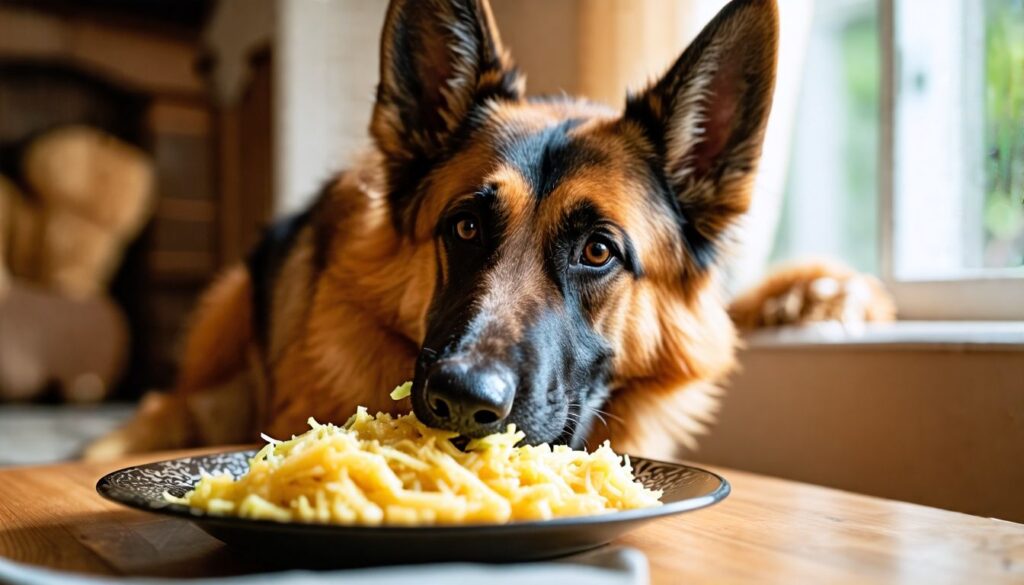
x=1004 y=134
x=959 y=138
x=831 y=201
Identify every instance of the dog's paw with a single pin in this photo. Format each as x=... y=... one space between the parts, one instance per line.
x=107 y=448
x=161 y=423
x=813 y=292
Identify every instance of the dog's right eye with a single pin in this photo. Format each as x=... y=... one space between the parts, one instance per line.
x=466 y=227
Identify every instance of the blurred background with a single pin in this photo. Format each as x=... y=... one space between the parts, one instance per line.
x=145 y=143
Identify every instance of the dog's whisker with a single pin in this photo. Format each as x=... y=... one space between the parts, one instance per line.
x=609 y=415
x=597 y=412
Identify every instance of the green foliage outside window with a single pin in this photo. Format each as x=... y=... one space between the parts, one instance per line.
x=1004 y=133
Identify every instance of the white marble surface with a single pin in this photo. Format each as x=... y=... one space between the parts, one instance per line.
x=954 y=335
x=37 y=434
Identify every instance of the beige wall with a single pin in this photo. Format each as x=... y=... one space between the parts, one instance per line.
x=542 y=36
x=938 y=426
x=594 y=48
x=625 y=44
x=326 y=67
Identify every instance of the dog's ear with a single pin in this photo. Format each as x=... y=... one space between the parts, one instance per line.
x=706 y=118
x=439 y=58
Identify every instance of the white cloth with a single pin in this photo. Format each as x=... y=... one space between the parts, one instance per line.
x=605 y=566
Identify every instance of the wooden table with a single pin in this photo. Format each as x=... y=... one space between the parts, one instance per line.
x=768 y=530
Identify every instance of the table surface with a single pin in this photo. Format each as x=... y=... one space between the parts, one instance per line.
x=768 y=530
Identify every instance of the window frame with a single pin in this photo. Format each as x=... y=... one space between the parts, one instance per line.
x=986 y=295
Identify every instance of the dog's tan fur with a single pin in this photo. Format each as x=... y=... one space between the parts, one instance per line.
x=344 y=335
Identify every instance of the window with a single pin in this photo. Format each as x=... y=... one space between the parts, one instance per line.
x=908 y=153
x=830 y=207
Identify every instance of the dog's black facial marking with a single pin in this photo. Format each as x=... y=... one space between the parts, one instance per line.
x=470 y=258
x=457 y=291
x=491 y=310
x=571 y=366
x=547 y=157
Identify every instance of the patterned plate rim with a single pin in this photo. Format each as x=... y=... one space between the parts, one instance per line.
x=105 y=486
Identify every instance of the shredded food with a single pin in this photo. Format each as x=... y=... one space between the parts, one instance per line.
x=397 y=471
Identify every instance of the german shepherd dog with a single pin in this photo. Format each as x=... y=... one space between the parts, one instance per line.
x=547 y=262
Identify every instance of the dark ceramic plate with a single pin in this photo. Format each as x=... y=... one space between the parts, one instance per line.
x=685 y=489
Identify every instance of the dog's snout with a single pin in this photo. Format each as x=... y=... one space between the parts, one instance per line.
x=470 y=398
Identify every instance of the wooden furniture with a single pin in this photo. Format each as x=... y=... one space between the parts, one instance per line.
x=142 y=71
x=768 y=530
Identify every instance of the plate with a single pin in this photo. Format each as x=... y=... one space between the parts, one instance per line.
x=685 y=489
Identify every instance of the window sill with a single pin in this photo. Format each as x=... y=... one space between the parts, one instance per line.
x=901 y=335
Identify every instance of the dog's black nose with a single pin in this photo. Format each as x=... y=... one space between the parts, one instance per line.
x=470 y=398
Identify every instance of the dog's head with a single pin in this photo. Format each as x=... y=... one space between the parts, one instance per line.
x=574 y=245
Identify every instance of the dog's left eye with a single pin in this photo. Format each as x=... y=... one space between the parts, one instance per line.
x=596 y=253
